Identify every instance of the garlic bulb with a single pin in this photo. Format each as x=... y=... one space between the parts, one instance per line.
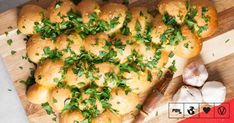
x=195 y=74
x=213 y=91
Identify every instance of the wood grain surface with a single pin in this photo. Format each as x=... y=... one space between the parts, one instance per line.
x=216 y=54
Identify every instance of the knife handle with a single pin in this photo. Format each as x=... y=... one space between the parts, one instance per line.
x=154 y=97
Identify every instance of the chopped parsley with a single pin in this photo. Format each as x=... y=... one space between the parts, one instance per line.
x=10 y=27
x=47 y=108
x=227 y=40
x=171 y=54
x=204 y=16
x=149 y=76
x=52 y=54
x=18 y=32
x=169 y=20
x=119 y=45
x=9 y=42
x=13 y=52
x=160 y=73
x=30 y=80
x=173 y=67
x=125 y=30
x=114 y=22
x=126 y=2
x=20 y=67
x=58 y=4
x=192 y=24
x=139 y=106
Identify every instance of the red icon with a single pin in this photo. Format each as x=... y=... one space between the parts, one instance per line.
x=222 y=111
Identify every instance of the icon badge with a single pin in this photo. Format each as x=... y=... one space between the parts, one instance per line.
x=222 y=111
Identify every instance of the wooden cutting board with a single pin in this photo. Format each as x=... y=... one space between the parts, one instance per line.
x=217 y=54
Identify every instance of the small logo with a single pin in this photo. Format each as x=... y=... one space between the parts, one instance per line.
x=191 y=110
x=206 y=110
x=222 y=110
x=177 y=111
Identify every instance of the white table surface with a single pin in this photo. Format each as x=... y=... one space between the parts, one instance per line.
x=11 y=110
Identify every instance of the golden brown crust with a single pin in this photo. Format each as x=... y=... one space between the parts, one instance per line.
x=139 y=15
x=211 y=15
x=49 y=73
x=28 y=15
x=110 y=11
x=191 y=46
x=158 y=29
x=72 y=79
x=122 y=102
x=95 y=43
x=58 y=10
x=35 y=47
x=83 y=106
x=175 y=8
x=147 y=52
x=103 y=69
x=72 y=41
x=87 y=7
x=58 y=97
x=71 y=117
x=138 y=82
x=107 y=117
x=38 y=94
x=122 y=54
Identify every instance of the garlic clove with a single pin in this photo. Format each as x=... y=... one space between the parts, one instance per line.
x=188 y=94
x=213 y=92
x=195 y=74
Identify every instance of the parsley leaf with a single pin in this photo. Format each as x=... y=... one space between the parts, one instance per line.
x=47 y=108
x=9 y=42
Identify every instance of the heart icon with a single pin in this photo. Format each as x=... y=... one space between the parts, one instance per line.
x=206 y=109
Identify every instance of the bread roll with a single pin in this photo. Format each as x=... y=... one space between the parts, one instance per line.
x=58 y=97
x=163 y=59
x=123 y=46
x=206 y=16
x=147 y=52
x=122 y=102
x=191 y=46
x=95 y=43
x=138 y=82
x=35 y=47
x=174 y=8
x=87 y=7
x=71 y=117
x=73 y=79
x=72 y=42
x=28 y=15
x=84 y=104
x=107 y=117
x=58 y=10
x=104 y=74
x=114 y=14
x=49 y=73
x=158 y=29
x=139 y=21
x=38 y=94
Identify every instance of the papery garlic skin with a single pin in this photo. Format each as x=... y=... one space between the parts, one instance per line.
x=188 y=94
x=213 y=92
x=195 y=74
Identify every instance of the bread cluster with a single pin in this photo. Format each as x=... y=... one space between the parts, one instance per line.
x=93 y=61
